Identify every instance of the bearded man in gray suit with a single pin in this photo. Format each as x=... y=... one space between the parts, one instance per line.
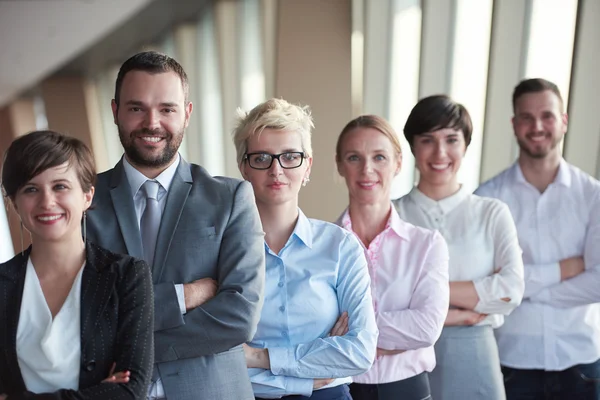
x=201 y=235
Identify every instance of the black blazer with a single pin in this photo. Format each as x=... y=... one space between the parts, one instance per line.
x=117 y=317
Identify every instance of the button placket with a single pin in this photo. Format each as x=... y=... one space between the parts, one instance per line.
x=282 y=308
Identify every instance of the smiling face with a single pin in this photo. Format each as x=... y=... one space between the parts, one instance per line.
x=438 y=156
x=276 y=185
x=52 y=203
x=151 y=117
x=368 y=162
x=539 y=123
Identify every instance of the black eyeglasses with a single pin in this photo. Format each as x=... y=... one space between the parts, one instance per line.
x=289 y=160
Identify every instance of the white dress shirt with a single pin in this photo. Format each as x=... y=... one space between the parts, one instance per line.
x=558 y=323
x=49 y=350
x=482 y=242
x=136 y=179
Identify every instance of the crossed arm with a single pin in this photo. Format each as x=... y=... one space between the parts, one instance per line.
x=298 y=369
x=576 y=280
x=229 y=318
x=133 y=348
x=499 y=293
x=421 y=323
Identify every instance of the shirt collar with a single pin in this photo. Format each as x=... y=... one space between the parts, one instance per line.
x=398 y=225
x=137 y=179
x=394 y=222
x=563 y=177
x=446 y=205
x=303 y=229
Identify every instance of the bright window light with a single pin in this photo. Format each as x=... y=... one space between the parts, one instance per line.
x=404 y=83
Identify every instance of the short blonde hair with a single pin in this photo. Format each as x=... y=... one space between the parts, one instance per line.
x=275 y=114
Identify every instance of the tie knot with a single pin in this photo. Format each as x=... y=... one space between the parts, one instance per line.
x=151 y=189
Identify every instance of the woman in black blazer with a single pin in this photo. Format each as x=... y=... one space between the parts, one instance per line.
x=71 y=312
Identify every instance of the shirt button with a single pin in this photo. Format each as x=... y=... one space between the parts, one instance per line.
x=280 y=284
x=282 y=308
x=284 y=333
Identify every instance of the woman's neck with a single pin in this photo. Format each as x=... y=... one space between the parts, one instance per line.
x=278 y=222
x=57 y=258
x=438 y=192
x=369 y=220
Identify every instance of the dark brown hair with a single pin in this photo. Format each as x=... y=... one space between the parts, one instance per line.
x=35 y=152
x=368 y=121
x=437 y=112
x=533 y=86
x=152 y=62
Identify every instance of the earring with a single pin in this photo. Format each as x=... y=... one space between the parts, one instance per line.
x=305 y=181
x=84 y=227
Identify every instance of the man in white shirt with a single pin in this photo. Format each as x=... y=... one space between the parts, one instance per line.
x=550 y=345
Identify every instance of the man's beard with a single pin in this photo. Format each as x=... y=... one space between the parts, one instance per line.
x=534 y=151
x=137 y=155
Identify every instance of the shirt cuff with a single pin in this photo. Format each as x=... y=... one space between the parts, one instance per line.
x=301 y=386
x=553 y=275
x=281 y=359
x=180 y=297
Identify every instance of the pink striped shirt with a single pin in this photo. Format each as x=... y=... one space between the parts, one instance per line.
x=409 y=284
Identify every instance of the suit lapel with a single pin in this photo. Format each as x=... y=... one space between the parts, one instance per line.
x=96 y=288
x=176 y=198
x=12 y=281
x=120 y=193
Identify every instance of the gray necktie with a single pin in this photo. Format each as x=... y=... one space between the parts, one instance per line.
x=150 y=221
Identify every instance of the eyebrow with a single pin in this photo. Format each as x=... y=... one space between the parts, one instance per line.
x=54 y=181
x=163 y=104
x=358 y=152
x=284 y=151
x=429 y=135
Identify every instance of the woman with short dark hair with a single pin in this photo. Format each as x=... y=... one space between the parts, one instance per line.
x=72 y=313
x=486 y=270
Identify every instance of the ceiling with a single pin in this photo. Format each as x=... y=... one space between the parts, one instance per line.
x=39 y=38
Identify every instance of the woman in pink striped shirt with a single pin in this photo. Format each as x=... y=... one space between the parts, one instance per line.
x=408 y=265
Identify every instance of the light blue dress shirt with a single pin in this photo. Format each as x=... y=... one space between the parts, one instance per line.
x=320 y=273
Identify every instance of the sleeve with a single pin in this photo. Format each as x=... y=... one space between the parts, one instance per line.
x=168 y=299
x=421 y=324
x=167 y=306
x=267 y=385
x=537 y=276
x=134 y=343
x=231 y=317
x=338 y=356
x=508 y=281
x=540 y=276
x=582 y=289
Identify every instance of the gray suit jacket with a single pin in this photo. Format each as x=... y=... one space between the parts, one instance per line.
x=210 y=227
